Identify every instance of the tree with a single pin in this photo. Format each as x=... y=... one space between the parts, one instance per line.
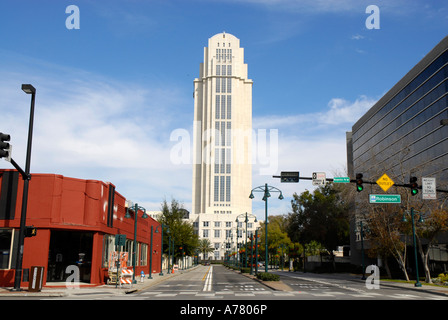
x=205 y=247
x=434 y=224
x=181 y=230
x=277 y=235
x=321 y=216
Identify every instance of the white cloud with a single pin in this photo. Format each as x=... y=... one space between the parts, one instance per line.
x=340 y=112
x=94 y=128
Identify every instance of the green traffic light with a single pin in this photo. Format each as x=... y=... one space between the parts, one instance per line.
x=414 y=192
x=359 y=188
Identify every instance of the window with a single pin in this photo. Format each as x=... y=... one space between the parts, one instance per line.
x=6 y=236
x=218 y=85
x=229 y=70
x=229 y=85
x=217 y=233
x=216 y=188
x=143 y=254
x=217 y=158
x=223 y=159
x=205 y=223
x=223 y=85
x=229 y=107
x=223 y=107
x=108 y=247
x=217 y=106
x=229 y=136
x=204 y=233
x=228 y=188
x=218 y=70
x=129 y=248
x=228 y=224
x=217 y=224
x=223 y=134
x=221 y=189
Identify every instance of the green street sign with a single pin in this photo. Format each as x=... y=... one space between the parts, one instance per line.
x=384 y=198
x=341 y=180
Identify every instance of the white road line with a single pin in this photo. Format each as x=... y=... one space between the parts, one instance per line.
x=208 y=280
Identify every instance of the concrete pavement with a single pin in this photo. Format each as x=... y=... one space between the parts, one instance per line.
x=59 y=289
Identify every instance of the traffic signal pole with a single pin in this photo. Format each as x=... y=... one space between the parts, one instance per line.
x=29 y=89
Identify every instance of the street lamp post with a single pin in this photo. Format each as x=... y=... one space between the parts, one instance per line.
x=28 y=89
x=417 y=282
x=266 y=190
x=144 y=216
x=246 y=220
x=362 y=252
x=161 y=245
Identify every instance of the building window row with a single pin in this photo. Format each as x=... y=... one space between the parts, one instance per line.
x=222 y=188
x=223 y=85
x=223 y=55
x=223 y=107
x=223 y=70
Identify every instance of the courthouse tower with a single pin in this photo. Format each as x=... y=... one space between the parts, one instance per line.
x=222 y=141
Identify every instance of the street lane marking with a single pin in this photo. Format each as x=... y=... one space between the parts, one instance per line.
x=208 y=280
x=206 y=273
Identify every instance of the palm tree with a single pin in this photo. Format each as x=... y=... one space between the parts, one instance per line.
x=205 y=246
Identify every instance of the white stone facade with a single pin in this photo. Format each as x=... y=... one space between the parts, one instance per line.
x=222 y=143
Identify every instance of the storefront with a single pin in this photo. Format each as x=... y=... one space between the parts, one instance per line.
x=76 y=222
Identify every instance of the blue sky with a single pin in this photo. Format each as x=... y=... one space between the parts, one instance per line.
x=110 y=93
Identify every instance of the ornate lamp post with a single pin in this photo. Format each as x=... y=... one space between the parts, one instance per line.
x=134 y=253
x=266 y=190
x=417 y=283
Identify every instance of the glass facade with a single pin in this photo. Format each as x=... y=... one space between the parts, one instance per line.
x=404 y=134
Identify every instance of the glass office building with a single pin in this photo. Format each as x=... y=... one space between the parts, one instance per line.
x=402 y=133
x=406 y=133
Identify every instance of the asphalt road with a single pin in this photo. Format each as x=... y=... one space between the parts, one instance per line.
x=219 y=283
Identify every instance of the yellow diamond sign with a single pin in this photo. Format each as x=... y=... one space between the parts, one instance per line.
x=385 y=182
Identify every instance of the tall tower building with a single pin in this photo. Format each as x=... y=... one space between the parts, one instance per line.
x=222 y=141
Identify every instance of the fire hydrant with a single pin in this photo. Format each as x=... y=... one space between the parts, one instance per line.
x=142 y=276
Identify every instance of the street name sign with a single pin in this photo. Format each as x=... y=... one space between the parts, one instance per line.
x=319 y=178
x=385 y=182
x=384 y=198
x=341 y=180
x=429 y=188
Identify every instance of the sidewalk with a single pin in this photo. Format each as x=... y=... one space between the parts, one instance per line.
x=357 y=278
x=59 y=289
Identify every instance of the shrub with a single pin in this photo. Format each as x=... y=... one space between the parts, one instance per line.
x=266 y=276
x=245 y=270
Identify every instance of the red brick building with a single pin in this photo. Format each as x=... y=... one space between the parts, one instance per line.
x=76 y=222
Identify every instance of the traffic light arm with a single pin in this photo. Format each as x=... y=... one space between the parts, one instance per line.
x=405 y=185
x=24 y=175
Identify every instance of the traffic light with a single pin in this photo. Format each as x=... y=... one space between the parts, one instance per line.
x=414 y=185
x=359 y=186
x=30 y=231
x=288 y=176
x=5 y=147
